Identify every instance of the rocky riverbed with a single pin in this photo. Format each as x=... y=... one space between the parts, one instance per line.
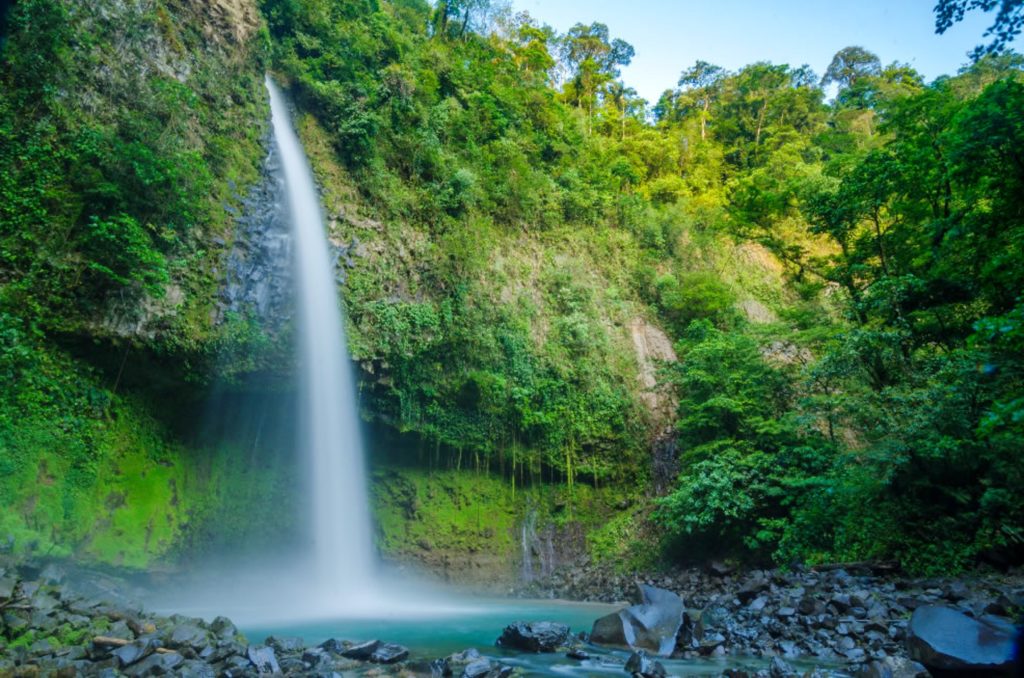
x=848 y=623
x=857 y=616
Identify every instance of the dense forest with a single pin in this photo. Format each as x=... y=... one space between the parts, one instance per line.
x=839 y=276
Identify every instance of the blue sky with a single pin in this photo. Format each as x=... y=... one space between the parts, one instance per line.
x=670 y=35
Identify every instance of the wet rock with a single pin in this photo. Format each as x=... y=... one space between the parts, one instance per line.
x=360 y=651
x=642 y=666
x=534 y=636
x=577 y=654
x=454 y=663
x=389 y=653
x=652 y=625
x=485 y=668
x=477 y=669
x=780 y=669
x=263 y=658
x=948 y=641
x=874 y=669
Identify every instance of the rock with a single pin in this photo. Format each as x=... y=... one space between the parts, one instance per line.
x=156 y=665
x=224 y=629
x=780 y=669
x=332 y=645
x=651 y=625
x=196 y=669
x=809 y=606
x=950 y=642
x=389 y=653
x=534 y=636
x=482 y=668
x=285 y=643
x=188 y=635
x=40 y=647
x=639 y=664
x=132 y=652
x=361 y=651
x=477 y=669
x=874 y=669
x=751 y=589
x=577 y=654
x=720 y=568
x=263 y=658
x=7 y=585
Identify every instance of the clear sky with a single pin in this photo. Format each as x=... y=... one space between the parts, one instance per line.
x=670 y=35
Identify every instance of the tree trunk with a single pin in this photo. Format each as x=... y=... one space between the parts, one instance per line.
x=760 y=123
x=704 y=119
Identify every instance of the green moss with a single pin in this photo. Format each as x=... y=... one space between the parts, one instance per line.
x=24 y=640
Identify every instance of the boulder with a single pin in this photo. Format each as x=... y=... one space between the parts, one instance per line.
x=361 y=651
x=224 y=628
x=477 y=669
x=389 y=653
x=639 y=664
x=188 y=635
x=534 y=636
x=263 y=658
x=285 y=644
x=650 y=625
x=951 y=643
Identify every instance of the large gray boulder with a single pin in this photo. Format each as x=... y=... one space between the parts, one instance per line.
x=650 y=625
x=534 y=636
x=950 y=643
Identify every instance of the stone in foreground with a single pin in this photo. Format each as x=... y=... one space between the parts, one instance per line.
x=534 y=636
x=650 y=625
x=639 y=664
x=950 y=643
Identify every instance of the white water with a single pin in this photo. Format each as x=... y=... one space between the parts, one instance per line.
x=338 y=578
x=342 y=559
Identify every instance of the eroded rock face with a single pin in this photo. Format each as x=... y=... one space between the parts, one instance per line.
x=650 y=625
x=952 y=643
x=653 y=347
x=232 y=20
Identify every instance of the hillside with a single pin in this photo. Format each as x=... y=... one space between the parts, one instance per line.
x=743 y=322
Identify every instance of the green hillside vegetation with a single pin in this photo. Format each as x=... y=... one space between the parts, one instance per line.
x=840 y=279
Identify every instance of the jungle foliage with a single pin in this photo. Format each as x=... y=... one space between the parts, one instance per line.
x=873 y=413
x=840 y=278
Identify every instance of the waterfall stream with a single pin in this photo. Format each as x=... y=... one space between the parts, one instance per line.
x=329 y=424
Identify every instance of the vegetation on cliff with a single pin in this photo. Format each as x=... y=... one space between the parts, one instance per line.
x=840 y=278
x=864 y=404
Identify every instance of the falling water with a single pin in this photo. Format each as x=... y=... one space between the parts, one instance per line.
x=342 y=543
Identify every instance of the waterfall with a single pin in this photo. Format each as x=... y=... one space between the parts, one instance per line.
x=330 y=435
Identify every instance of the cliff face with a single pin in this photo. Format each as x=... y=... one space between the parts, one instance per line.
x=131 y=133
